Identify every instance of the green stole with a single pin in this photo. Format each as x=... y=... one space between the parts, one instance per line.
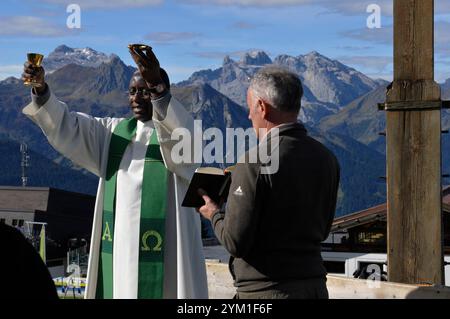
x=153 y=216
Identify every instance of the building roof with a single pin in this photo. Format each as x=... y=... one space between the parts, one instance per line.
x=24 y=198
x=34 y=198
x=377 y=213
x=362 y=217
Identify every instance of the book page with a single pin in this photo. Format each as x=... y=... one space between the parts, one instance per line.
x=209 y=170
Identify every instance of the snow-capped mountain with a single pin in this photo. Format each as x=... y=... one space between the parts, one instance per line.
x=101 y=91
x=328 y=84
x=233 y=78
x=63 y=55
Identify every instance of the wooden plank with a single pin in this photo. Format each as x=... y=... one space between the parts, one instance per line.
x=220 y=285
x=220 y=282
x=349 y=288
x=414 y=151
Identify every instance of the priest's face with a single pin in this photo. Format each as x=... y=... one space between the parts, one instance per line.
x=140 y=101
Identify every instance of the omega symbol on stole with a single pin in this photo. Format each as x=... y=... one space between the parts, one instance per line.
x=145 y=241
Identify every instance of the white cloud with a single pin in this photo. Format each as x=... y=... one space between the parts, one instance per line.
x=107 y=4
x=210 y=55
x=250 y=3
x=29 y=26
x=356 y=7
x=378 y=63
x=244 y=25
x=354 y=47
x=384 y=35
x=344 y=7
x=170 y=37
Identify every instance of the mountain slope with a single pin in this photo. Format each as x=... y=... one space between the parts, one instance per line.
x=360 y=120
x=361 y=166
x=101 y=91
x=42 y=172
x=327 y=84
x=212 y=107
x=361 y=169
x=97 y=91
x=329 y=80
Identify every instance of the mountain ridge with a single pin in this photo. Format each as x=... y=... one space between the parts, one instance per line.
x=350 y=130
x=63 y=55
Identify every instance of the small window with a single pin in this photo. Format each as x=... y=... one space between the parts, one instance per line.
x=2 y=221
x=371 y=237
x=14 y=222
x=21 y=222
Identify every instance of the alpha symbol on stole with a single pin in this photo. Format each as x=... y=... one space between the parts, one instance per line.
x=107 y=233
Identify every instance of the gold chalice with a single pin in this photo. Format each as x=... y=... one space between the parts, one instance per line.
x=35 y=59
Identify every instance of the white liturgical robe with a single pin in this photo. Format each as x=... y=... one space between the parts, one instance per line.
x=85 y=140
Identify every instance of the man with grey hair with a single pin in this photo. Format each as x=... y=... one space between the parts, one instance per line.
x=274 y=221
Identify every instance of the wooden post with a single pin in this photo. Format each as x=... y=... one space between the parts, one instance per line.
x=413 y=123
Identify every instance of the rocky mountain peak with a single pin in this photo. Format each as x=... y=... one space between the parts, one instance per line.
x=64 y=55
x=326 y=81
x=11 y=80
x=315 y=58
x=315 y=54
x=115 y=61
x=62 y=49
x=256 y=58
x=227 y=60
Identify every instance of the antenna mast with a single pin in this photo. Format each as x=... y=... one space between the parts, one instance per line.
x=25 y=162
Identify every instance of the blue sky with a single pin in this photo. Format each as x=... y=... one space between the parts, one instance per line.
x=189 y=35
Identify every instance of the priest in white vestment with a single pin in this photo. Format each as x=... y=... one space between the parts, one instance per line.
x=86 y=141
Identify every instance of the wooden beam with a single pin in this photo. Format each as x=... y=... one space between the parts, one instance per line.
x=220 y=282
x=349 y=288
x=220 y=286
x=414 y=151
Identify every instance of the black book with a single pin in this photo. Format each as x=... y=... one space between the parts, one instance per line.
x=214 y=181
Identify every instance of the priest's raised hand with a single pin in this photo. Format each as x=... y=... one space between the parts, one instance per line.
x=149 y=68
